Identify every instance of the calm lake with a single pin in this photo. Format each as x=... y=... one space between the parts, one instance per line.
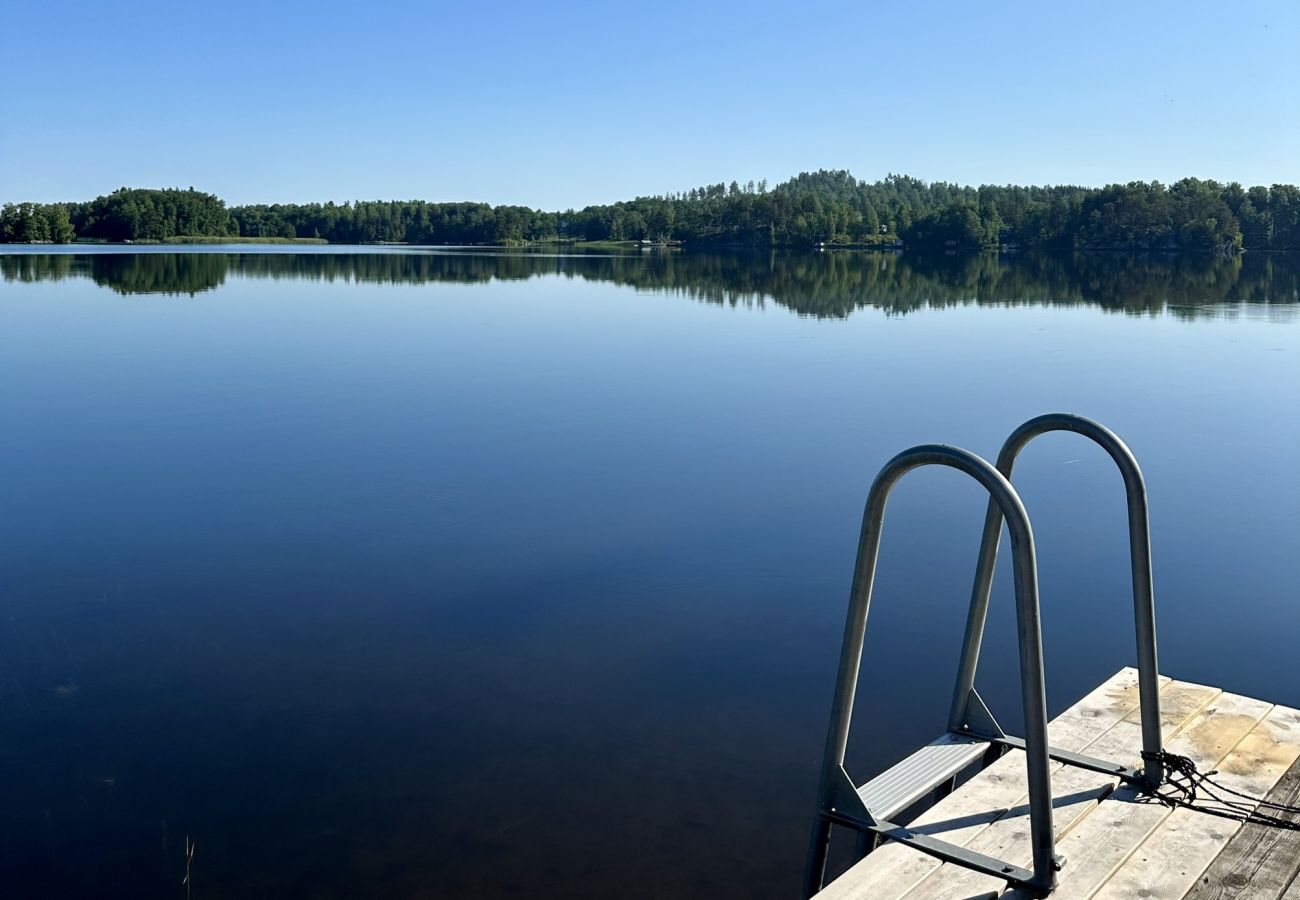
x=435 y=573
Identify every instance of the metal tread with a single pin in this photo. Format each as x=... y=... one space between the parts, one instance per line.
x=910 y=779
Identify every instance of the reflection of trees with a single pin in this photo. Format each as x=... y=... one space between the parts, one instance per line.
x=820 y=285
x=160 y=273
x=126 y=273
x=36 y=267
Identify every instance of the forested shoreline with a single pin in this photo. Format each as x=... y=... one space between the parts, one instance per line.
x=825 y=207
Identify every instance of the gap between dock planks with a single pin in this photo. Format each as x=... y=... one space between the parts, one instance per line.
x=1168 y=863
x=1134 y=847
x=893 y=869
x=1260 y=862
x=1105 y=838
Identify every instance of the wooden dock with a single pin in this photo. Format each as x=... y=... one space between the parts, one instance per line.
x=1117 y=843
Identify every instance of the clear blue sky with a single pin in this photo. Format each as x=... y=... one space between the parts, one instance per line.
x=554 y=104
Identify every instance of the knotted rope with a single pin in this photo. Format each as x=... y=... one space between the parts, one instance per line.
x=1185 y=784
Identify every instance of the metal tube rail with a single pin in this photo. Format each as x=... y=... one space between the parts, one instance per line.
x=1140 y=556
x=1003 y=497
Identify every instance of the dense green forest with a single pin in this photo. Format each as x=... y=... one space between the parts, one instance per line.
x=833 y=208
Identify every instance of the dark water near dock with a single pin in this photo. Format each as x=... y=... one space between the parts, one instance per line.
x=446 y=573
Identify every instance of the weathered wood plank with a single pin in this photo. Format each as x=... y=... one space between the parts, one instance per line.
x=893 y=869
x=1259 y=862
x=1077 y=792
x=1172 y=858
x=1105 y=839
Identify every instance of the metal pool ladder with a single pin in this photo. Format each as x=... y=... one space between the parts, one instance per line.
x=974 y=739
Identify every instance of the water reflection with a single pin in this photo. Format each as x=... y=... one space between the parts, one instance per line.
x=826 y=285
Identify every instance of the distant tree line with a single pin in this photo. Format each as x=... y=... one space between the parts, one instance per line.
x=826 y=207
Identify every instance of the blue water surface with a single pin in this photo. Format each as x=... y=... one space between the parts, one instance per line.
x=464 y=573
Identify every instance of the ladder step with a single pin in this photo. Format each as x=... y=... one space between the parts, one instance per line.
x=910 y=779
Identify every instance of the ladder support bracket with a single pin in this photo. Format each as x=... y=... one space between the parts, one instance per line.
x=948 y=852
x=848 y=802
x=979 y=721
x=1082 y=761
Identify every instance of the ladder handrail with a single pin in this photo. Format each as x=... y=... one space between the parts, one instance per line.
x=1033 y=694
x=1140 y=558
